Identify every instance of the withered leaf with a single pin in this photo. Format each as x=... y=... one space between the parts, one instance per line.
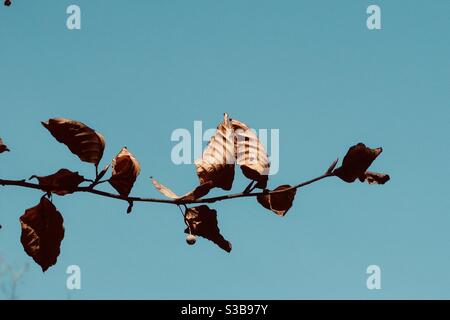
x=218 y=159
x=202 y=221
x=200 y=191
x=61 y=183
x=125 y=169
x=164 y=190
x=356 y=162
x=250 y=154
x=42 y=233
x=375 y=178
x=3 y=147
x=81 y=140
x=279 y=202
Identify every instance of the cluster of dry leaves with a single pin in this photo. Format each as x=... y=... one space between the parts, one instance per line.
x=233 y=144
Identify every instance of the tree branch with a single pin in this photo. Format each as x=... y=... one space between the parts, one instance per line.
x=42 y=225
x=24 y=184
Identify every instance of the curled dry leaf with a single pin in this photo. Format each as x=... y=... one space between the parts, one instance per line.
x=217 y=162
x=200 y=191
x=81 y=140
x=3 y=147
x=279 y=202
x=125 y=171
x=202 y=221
x=356 y=162
x=61 y=183
x=42 y=233
x=376 y=178
x=251 y=154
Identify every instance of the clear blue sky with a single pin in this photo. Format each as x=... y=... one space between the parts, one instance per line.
x=140 y=69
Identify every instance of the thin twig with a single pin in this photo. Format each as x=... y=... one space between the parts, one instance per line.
x=24 y=184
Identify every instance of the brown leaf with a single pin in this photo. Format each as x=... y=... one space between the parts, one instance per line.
x=61 y=183
x=81 y=140
x=217 y=162
x=279 y=203
x=3 y=147
x=202 y=221
x=164 y=190
x=356 y=162
x=376 y=178
x=42 y=233
x=200 y=191
x=251 y=154
x=125 y=171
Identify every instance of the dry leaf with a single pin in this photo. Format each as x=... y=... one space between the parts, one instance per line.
x=279 y=203
x=376 y=178
x=251 y=154
x=202 y=221
x=200 y=191
x=81 y=140
x=356 y=162
x=125 y=171
x=3 y=148
x=164 y=190
x=42 y=233
x=218 y=159
x=61 y=183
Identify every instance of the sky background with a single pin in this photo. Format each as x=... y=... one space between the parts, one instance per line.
x=140 y=69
